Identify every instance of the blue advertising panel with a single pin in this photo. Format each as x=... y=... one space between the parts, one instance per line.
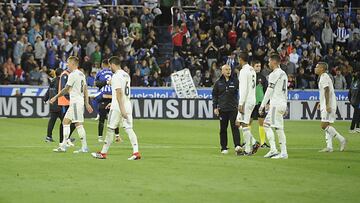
x=150 y=92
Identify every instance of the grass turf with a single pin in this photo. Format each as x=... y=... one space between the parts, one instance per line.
x=181 y=163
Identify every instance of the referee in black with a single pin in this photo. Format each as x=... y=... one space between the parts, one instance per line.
x=225 y=104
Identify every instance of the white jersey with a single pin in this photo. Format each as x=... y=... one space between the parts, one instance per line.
x=325 y=81
x=121 y=80
x=278 y=81
x=247 y=85
x=76 y=81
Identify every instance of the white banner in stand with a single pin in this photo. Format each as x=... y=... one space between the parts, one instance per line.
x=184 y=84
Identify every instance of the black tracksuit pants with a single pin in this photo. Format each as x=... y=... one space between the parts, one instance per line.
x=225 y=117
x=355 y=119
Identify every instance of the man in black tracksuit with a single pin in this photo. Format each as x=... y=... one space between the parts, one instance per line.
x=225 y=104
x=354 y=98
x=55 y=110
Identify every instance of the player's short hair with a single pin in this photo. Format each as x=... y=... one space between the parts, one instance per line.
x=105 y=62
x=244 y=56
x=255 y=62
x=74 y=59
x=115 y=60
x=275 y=57
x=324 y=65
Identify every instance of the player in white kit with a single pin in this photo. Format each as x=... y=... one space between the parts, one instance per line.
x=327 y=108
x=277 y=93
x=76 y=86
x=120 y=110
x=247 y=100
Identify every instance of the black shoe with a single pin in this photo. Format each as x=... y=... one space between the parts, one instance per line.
x=255 y=147
x=242 y=145
x=265 y=146
x=49 y=139
x=243 y=153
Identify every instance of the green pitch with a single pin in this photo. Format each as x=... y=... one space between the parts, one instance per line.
x=181 y=163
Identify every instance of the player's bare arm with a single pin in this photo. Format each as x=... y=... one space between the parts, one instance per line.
x=64 y=91
x=327 y=99
x=266 y=99
x=119 y=97
x=86 y=99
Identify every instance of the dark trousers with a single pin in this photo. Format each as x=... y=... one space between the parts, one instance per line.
x=355 y=119
x=225 y=117
x=72 y=125
x=103 y=112
x=51 y=123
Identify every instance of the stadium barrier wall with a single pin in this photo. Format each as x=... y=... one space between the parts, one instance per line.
x=164 y=108
x=160 y=92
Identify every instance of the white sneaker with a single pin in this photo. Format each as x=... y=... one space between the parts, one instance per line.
x=59 y=149
x=238 y=149
x=343 y=145
x=85 y=150
x=357 y=130
x=280 y=156
x=271 y=154
x=225 y=151
x=352 y=131
x=69 y=143
x=97 y=117
x=100 y=139
x=326 y=150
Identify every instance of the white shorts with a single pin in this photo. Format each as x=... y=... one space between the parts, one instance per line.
x=246 y=116
x=275 y=116
x=115 y=120
x=75 y=113
x=328 y=117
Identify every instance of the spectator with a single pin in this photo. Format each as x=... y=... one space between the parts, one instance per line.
x=91 y=46
x=19 y=50
x=39 y=51
x=19 y=75
x=215 y=72
x=197 y=78
x=178 y=34
x=166 y=71
x=341 y=35
x=144 y=70
x=302 y=79
x=177 y=62
x=9 y=69
x=155 y=80
x=211 y=52
x=90 y=80
x=294 y=57
x=339 y=80
x=96 y=56
x=136 y=80
x=291 y=82
x=327 y=36
x=232 y=37
x=206 y=81
x=35 y=76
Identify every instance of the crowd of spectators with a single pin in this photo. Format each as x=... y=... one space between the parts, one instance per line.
x=34 y=40
x=302 y=32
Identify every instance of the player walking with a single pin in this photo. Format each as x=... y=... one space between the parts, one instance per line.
x=120 y=110
x=103 y=98
x=76 y=86
x=327 y=108
x=277 y=94
x=247 y=84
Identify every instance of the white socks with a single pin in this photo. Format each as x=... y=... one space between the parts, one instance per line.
x=247 y=137
x=133 y=139
x=108 y=140
x=282 y=140
x=82 y=134
x=270 y=136
x=330 y=133
x=66 y=133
